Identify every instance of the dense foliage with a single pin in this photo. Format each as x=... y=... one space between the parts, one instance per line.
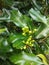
x=24 y=32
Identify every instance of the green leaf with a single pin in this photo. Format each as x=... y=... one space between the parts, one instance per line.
x=43 y=58
x=25 y=59
x=5 y=15
x=17 y=40
x=43 y=29
x=4 y=47
x=3 y=30
x=21 y=20
x=37 y=16
x=18 y=18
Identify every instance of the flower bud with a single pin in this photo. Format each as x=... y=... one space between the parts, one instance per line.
x=30 y=32
x=24 y=47
x=24 y=34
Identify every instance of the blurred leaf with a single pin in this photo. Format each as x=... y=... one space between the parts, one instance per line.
x=43 y=31
x=21 y=20
x=25 y=59
x=17 y=40
x=18 y=18
x=37 y=16
x=43 y=58
x=4 y=47
x=44 y=27
x=2 y=30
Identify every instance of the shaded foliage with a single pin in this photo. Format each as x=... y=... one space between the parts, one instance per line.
x=24 y=32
